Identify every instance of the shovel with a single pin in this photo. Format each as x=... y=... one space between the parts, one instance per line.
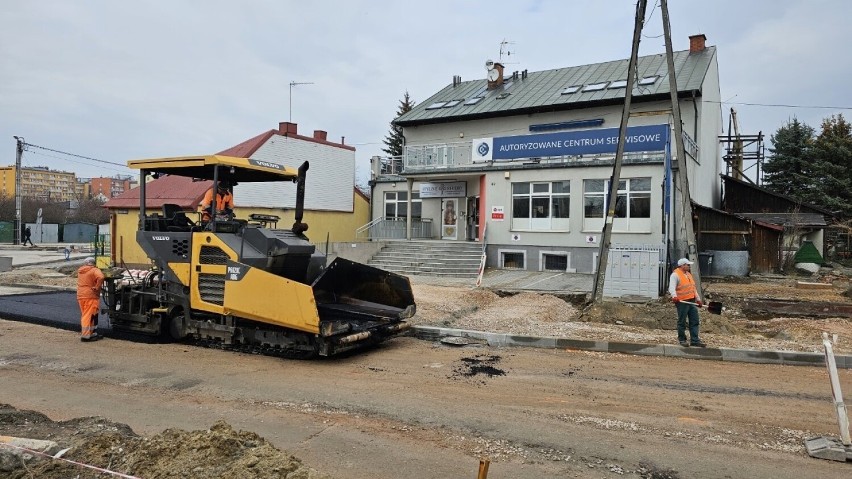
x=713 y=307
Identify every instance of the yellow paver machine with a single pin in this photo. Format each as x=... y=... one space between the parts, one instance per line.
x=244 y=284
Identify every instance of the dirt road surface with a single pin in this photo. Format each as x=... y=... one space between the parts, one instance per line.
x=415 y=409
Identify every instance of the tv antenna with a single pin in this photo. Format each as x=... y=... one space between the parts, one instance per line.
x=292 y=84
x=504 y=50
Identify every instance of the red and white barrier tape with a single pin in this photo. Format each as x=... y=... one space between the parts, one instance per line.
x=106 y=471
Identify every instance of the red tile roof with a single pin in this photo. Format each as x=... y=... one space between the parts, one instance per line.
x=248 y=147
x=178 y=190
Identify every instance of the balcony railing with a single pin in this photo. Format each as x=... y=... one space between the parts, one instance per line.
x=386 y=227
x=420 y=158
x=437 y=156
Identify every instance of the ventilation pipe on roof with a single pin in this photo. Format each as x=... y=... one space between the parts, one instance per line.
x=524 y=74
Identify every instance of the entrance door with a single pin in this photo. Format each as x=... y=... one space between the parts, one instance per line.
x=473 y=218
x=449 y=217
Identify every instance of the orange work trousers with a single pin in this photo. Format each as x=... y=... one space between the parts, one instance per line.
x=88 y=308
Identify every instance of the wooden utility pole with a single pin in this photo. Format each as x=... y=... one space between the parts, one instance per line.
x=606 y=235
x=682 y=179
x=680 y=153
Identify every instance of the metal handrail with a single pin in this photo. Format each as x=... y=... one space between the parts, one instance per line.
x=369 y=225
x=386 y=227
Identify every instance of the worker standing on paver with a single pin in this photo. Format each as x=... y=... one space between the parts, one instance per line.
x=90 y=279
x=685 y=296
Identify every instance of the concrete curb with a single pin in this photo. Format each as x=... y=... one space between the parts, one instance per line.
x=73 y=259
x=791 y=358
x=45 y=287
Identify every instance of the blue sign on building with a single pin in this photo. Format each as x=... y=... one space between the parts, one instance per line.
x=586 y=142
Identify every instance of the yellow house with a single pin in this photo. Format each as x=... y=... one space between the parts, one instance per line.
x=124 y=216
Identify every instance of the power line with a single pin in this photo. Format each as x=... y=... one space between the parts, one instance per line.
x=75 y=161
x=74 y=155
x=782 y=105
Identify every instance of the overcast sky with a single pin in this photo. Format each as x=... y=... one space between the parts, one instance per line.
x=117 y=80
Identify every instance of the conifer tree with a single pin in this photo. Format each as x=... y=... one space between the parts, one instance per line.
x=394 y=141
x=816 y=170
x=832 y=153
x=788 y=169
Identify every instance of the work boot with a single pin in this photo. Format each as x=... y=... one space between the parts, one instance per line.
x=684 y=344
x=88 y=340
x=699 y=344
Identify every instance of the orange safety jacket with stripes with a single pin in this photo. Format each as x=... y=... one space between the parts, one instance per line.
x=89 y=282
x=685 y=285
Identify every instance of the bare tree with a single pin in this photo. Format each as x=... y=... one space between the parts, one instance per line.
x=90 y=211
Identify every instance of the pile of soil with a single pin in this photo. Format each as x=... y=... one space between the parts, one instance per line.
x=216 y=452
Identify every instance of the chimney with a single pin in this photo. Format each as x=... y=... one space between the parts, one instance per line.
x=285 y=128
x=696 y=43
x=320 y=135
x=498 y=81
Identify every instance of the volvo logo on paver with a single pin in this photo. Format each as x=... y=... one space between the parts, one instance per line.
x=235 y=271
x=266 y=164
x=482 y=149
x=161 y=238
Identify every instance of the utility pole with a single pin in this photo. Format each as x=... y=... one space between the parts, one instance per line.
x=597 y=290
x=683 y=180
x=19 y=152
x=292 y=84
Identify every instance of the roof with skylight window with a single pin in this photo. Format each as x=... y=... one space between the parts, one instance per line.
x=563 y=89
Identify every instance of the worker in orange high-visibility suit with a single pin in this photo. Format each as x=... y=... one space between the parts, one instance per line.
x=687 y=301
x=90 y=279
x=224 y=202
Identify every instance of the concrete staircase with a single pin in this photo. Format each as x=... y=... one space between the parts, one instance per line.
x=457 y=259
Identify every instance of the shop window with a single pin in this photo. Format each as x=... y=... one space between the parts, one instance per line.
x=632 y=211
x=396 y=204
x=541 y=206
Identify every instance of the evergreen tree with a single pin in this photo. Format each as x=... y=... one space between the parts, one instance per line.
x=832 y=153
x=788 y=170
x=394 y=141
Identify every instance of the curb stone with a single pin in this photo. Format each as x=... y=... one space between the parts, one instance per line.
x=790 y=358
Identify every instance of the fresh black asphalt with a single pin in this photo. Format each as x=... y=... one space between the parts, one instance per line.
x=57 y=309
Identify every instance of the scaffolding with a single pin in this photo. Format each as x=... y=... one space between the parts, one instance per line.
x=744 y=154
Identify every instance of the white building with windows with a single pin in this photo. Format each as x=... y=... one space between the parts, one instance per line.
x=523 y=160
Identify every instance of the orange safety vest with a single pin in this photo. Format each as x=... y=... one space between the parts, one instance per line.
x=222 y=201
x=685 y=286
